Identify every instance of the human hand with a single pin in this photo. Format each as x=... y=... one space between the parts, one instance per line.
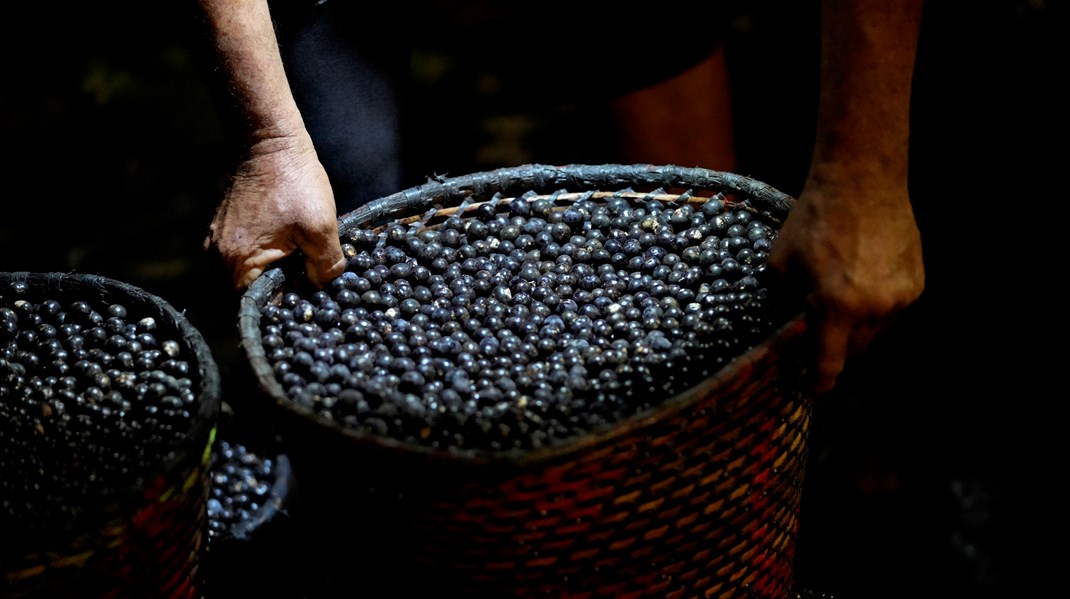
x=851 y=246
x=279 y=201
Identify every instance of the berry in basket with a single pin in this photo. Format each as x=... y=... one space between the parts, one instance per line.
x=108 y=400
x=243 y=489
x=251 y=508
x=524 y=323
x=93 y=400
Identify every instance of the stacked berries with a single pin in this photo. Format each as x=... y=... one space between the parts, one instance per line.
x=93 y=399
x=523 y=325
x=242 y=483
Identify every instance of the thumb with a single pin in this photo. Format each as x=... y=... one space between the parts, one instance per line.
x=832 y=339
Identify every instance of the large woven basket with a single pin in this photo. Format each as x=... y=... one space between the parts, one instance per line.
x=698 y=497
x=146 y=540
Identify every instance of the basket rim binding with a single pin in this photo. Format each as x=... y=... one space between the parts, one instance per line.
x=442 y=192
x=551 y=178
x=203 y=423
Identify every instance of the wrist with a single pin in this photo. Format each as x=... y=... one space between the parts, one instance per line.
x=866 y=169
x=280 y=142
x=858 y=189
x=274 y=161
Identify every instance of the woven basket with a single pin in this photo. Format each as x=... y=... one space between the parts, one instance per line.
x=143 y=541
x=699 y=496
x=237 y=558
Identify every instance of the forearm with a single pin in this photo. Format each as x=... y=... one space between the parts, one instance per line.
x=867 y=64
x=243 y=36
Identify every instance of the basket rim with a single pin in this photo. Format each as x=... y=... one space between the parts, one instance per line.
x=203 y=425
x=541 y=177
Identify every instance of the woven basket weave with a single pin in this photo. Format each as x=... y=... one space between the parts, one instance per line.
x=698 y=497
x=143 y=541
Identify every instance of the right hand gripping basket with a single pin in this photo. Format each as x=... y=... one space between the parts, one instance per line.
x=698 y=496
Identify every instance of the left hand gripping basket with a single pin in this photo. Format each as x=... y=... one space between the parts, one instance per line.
x=696 y=497
x=108 y=405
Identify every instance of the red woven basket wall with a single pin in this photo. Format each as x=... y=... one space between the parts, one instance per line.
x=698 y=497
x=143 y=541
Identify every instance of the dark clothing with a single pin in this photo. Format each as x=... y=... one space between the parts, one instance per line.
x=356 y=78
x=349 y=91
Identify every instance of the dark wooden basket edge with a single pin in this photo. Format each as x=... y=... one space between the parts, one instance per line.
x=545 y=177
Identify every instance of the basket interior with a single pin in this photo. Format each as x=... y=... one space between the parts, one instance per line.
x=439 y=203
x=189 y=445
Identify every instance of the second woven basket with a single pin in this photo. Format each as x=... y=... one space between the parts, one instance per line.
x=697 y=497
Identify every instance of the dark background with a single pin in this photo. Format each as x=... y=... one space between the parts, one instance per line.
x=932 y=466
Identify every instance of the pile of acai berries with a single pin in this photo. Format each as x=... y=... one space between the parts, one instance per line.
x=93 y=399
x=242 y=482
x=524 y=324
